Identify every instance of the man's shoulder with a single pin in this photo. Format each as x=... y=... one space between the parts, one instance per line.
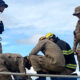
x=62 y=41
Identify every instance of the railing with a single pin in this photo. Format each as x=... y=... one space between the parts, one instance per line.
x=29 y=75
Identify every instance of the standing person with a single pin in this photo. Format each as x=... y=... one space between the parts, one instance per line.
x=77 y=34
x=13 y=63
x=3 y=5
x=52 y=62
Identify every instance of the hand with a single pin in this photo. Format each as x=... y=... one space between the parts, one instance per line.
x=74 y=50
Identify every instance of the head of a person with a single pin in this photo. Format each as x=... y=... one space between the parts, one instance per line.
x=50 y=36
x=3 y=5
x=77 y=12
x=27 y=63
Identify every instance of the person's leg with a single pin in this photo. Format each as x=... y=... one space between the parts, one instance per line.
x=0 y=48
x=37 y=63
x=56 y=78
x=78 y=55
x=66 y=71
x=4 y=77
x=44 y=64
x=19 y=78
x=41 y=78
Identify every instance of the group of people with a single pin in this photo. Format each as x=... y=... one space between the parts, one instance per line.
x=58 y=56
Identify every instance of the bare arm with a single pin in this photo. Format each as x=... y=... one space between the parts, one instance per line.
x=37 y=48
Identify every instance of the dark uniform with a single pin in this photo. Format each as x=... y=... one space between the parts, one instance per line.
x=70 y=64
x=77 y=34
x=68 y=54
x=11 y=63
x=53 y=59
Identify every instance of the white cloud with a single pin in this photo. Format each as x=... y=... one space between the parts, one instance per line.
x=28 y=17
x=41 y=15
x=32 y=40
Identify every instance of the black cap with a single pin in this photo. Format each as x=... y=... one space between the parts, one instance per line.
x=2 y=3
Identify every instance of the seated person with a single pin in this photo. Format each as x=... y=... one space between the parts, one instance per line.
x=13 y=63
x=53 y=61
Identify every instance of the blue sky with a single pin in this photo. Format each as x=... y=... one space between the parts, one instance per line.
x=26 y=21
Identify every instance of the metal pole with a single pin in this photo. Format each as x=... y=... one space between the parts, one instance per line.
x=41 y=75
